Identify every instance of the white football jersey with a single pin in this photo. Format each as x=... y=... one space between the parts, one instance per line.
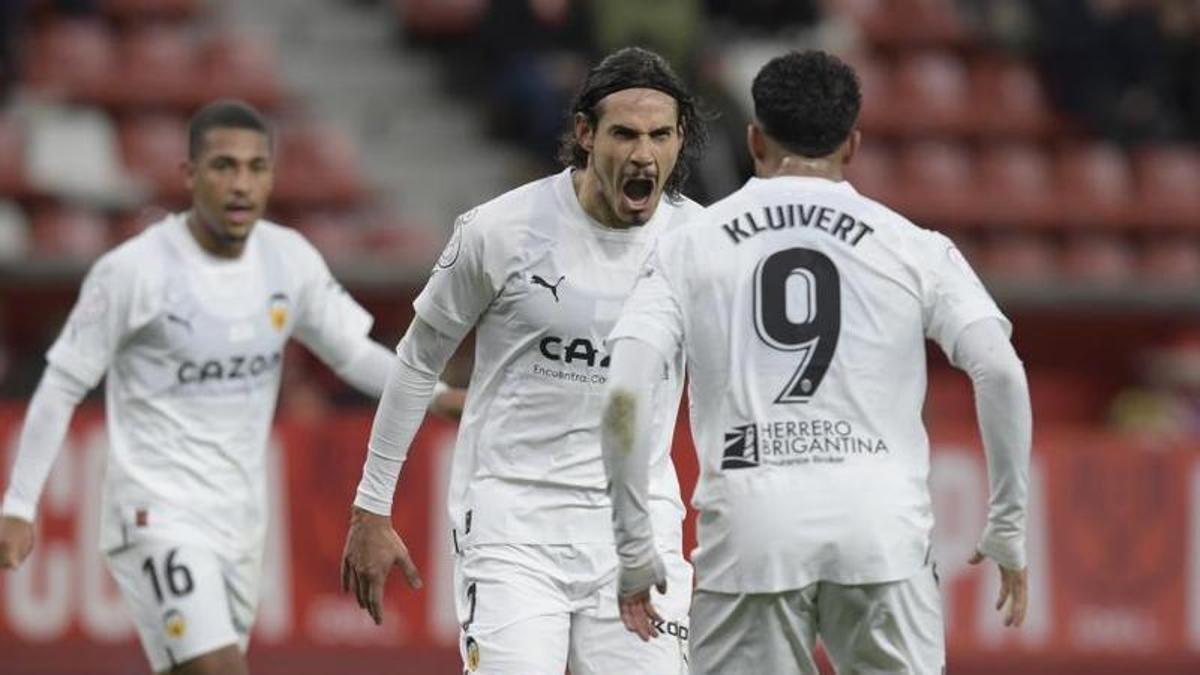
x=543 y=283
x=803 y=309
x=192 y=347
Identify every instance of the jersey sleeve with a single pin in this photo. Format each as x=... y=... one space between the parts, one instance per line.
x=653 y=313
x=955 y=297
x=98 y=323
x=465 y=280
x=329 y=321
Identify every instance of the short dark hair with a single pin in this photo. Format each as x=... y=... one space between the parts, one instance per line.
x=223 y=114
x=807 y=101
x=635 y=68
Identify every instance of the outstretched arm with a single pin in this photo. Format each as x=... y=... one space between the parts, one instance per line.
x=1005 y=423
x=46 y=421
x=372 y=546
x=626 y=440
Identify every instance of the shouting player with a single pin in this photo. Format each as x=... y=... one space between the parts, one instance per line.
x=803 y=309
x=188 y=321
x=541 y=274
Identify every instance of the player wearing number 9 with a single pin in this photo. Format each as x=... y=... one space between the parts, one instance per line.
x=803 y=308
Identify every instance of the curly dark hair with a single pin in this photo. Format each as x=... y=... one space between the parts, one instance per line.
x=631 y=68
x=807 y=101
x=225 y=113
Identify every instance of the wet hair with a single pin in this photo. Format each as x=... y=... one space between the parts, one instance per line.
x=223 y=114
x=807 y=101
x=637 y=68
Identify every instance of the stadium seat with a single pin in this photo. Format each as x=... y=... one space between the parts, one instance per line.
x=871 y=171
x=240 y=66
x=12 y=156
x=73 y=59
x=158 y=68
x=874 y=78
x=1008 y=99
x=907 y=23
x=153 y=147
x=440 y=18
x=64 y=232
x=1168 y=187
x=1094 y=185
x=1098 y=259
x=936 y=184
x=1021 y=257
x=1172 y=262
x=1015 y=183
x=317 y=165
x=929 y=93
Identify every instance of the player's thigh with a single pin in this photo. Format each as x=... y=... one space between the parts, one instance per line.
x=736 y=634
x=884 y=628
x=227 y=660
x=515 y=619
x=600 y=643
x=177 y=597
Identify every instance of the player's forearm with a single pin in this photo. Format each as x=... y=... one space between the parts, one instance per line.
x=1005 y=423
x=626 y=440
x=45 y=427
x=412 y=376
x=368 y=370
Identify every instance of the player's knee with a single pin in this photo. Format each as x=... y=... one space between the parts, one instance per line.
x=227 y=660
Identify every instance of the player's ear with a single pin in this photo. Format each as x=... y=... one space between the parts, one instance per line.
x=585 y=135
x=188 y=168
x=852 y=145
x=756 y=143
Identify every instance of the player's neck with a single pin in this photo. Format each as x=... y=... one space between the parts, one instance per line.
x=210 y=242
x=829 y=168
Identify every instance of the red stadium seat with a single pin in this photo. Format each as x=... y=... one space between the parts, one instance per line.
x=874 y=78
x=1168 y=187
x=74 y=59
x=71 y=233
x=1099 y=260
x=1018 y=257
x=936 y=184
x=1172 y=262
x=1009 y=99
x=1094 y=184
x=440 y=18
x=240 y=66
x=317 y=165
x=12 y=155
x=871 y=171
x=1015 y=183
x=907 y=23
x=929 y=92
x=158 y=68
x=154 y=148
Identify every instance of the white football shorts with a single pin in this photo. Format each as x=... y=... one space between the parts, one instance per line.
x=537 y=609
x=893 y=627
x=186 y=600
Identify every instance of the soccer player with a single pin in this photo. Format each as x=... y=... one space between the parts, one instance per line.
x=803 y=308
x=541 y=273
x=188 y=321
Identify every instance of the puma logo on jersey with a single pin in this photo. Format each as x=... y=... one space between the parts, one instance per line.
x=538 y=281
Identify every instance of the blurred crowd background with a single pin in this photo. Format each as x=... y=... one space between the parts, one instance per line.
x=1056 y=141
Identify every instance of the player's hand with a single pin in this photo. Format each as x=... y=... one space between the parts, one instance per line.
x=449 y=404
x=1014 y=588
x=633 y=595
x=372 y=548
x=16 y=541
x=638 y=613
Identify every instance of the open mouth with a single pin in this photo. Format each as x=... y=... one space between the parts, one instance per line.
x=638 y=190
